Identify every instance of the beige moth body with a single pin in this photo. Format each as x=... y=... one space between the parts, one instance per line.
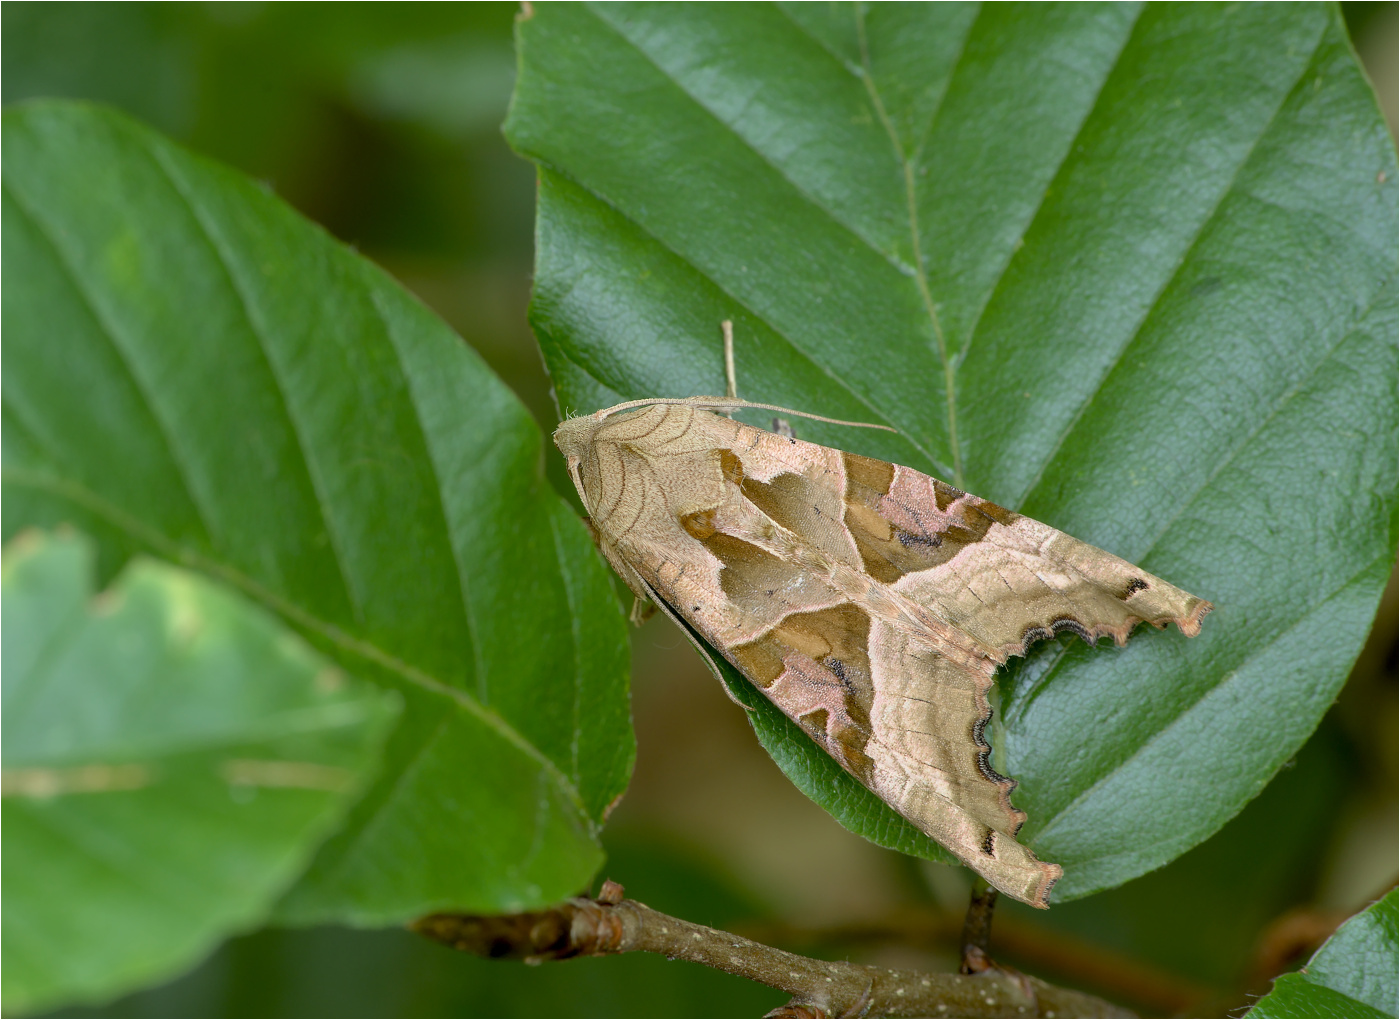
x=870 y=602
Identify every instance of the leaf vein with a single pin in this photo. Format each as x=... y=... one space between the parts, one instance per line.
x=911 y=202
x=741 y=303
x=888 y=257
x=463 y=583
x=225 y=261
x=575 y=639
x=1044 y=195
x=109 y=332
x=1188 y=249
x=1144 y=746
x=820 y=43
x=1280 y=404
x=337 y=638
x=927 y=129
x=345 y=852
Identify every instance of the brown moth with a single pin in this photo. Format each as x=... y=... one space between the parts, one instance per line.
x=870 y=602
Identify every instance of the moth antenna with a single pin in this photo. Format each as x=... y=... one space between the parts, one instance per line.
x=731 y=380
x=732 y=404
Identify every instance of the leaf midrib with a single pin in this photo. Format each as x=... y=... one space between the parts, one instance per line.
x=911 y=202
x=816 y=203
x=179 y=554
x=886 y=257
x=364 y=650
x=286 y=722
x=824 y=369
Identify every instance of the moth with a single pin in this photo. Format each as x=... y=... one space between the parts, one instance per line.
x=870 y=602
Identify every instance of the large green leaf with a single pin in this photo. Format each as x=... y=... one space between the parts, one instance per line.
x=194 y=371
x=172 y=757
x=1130 y=270
x=1352 y=975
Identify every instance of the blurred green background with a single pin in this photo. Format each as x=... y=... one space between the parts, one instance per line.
x=381 y=122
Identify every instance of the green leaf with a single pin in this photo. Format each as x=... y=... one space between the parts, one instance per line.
x=1352 y=975
x=1130 y=270
x=194 y=371
x=172 y=757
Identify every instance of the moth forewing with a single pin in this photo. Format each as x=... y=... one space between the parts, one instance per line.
x=870 y=602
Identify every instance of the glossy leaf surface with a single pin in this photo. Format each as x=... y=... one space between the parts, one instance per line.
x=1129 y=270
x=195 y=372
x=173 y=755
x=1352 y=975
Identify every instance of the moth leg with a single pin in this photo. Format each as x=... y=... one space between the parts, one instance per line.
x=644 y=599
x=643 y=603
x=642 y=611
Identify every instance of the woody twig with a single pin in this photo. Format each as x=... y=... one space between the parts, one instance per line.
x=1086 y=962
x=819 y=988
x=977 y=928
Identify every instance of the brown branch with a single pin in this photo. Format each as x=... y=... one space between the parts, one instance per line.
x=1085 y=963
x=611 y=924
x=977 y=927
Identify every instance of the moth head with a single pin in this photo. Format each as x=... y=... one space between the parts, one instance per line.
x=573 y=437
